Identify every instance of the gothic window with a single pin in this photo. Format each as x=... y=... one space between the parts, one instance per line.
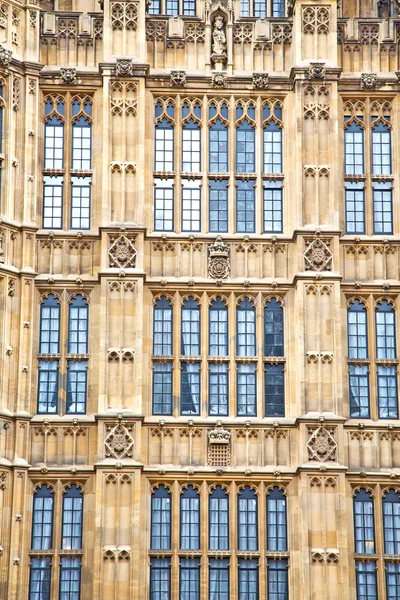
x=366 y=580
x=162 y=327
x=248 y=578
x=154 y=8
x=218 y=520
x=278 y=586
x=246 y=328
x=191 y=203
x=354 y=148
x=80 y=202
x=190 y=327
x=247 y=520
x=218 y=328
x=160 y=578
x=48 y=386
x=364 y=535
x=218 y=389
x=163 y=204
x=164 y=138
x=52 y=202
x=72 y=519
x=355 y=207
x=189 y=578
x=387 y=392
x=359 y=391
x=262 y=8
x=190 y=388
x=70 y=578
x=218 y=139
x=162 y=388
x=172 y=7
x=219 y=578
x=385 y=331
x=191 y=139
x=276 y=521
x=245 y=206
x=272 y=140
x=382 y=207
x=81 y=136
x=273 y=206
x=218 y=206
x=273 y=328
x=381 y=149
x=50 y=325
x=245 y=141
x=190 y=519
x=278 y=8
x=78 y=326
x=54 y=135
x=161 y=519
x=42 y=520
x=392 y=580
x=357 y=330
x=40 y=578
x=391 y=521
x=246 y=390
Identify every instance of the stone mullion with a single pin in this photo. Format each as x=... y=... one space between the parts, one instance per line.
x=232 y=352
x=261 y=537
x=233 y=521
x=373 y=392
x=258 y=226
x=66 y=213
x=260 y=356
x=204 y=540
x=176 y=351
x=379 y=542
x=178 y=166
x=231 y=166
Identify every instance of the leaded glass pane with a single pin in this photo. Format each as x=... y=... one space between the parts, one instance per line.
x=366 y=580
x=163 y=204
x=274 y=390
x=218 y=519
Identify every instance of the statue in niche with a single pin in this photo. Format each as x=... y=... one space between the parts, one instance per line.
x=219 y=37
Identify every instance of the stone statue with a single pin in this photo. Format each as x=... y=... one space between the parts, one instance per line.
x=219 y=38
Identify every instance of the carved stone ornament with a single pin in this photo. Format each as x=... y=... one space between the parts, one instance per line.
x=124 y=67
x=178 y=78
x=218 y=80
x=5 y=56
x=68 y=76
x=122 y=253
x=218 y=260
x=219 y=55
x=317 y=70
x=219 y=435
x=260 y=81
x=322 y=445
x=369 y=81
x=318 y=255
x=119 y=441
x=219 y=447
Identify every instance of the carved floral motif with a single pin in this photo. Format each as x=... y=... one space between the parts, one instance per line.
x=122 y=253
x=318 y=255
x=322 y=446
x=119 y=441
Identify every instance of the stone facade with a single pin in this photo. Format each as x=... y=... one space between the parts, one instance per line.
x=112 y=64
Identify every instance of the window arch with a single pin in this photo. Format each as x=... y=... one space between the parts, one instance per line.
x=385 y=330
x=190 y=326
x=273 y=328
x=247 y=519
x=218 y=138
x=50 y=325
x=381 y=147
x=72 y=518
x=218 y=519
x=164 y=137
x=218 y=327
x=276 y=520
x=354 y=146
x=78 y=325
x=54 y=110
x=357 y=330
x=161 y=519
x=81 y=135
x=162 y=327
x=42 y=520
x=191 y=137
x=364 y=534
x=190 y=519
x=246 y=328
x=391 y=521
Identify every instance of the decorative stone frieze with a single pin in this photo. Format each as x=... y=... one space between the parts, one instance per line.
x=219 y=259
x=219 y=448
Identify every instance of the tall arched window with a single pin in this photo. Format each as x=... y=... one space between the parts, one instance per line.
x=50 y=325
x=386 y=349
x=49 y=344
x=78 y=332
x=247 y=520
x=276 y=521
x=162 y=327
x=381 y=148
x=218 y=328
x=42 y=520
x=53 y=185
x=245 y=142
x=246 y=328
x=218 y=139
x=72 y=519
x=164 y=137
x=272 y=138
x=191 y=138
x=391 y=521
x=273 y=328
x=190 y=519
x=364 y=533
x=161 y=519
x=358 y=349
x=354 y=165
x=190 y=324
x=218 y=519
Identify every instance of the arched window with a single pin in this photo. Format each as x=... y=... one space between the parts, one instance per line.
x=247 y=520
x=273 y=329
x=42 y=520
x=218 y=140
x=364 y=534
x=164 y=138
x=54 y=135
x=218 y=205
x=191 y=139
x=354 y=147
x=70 y=578
x=189 y=578
x=190 y=323
x=81 y=136
x=272 y=137
x=245 y=143
x=162 y=327
x=40 y=578
x=246 y=390
x=246 y=328
x=161 y=519
x=78 y=326
x=218 y=578
x=160 y=578
x=382 y=165
x=357 y=330
x=50 y=325
x=190 y=388
x=391 y=521
x=218 y=519
x=381 y=148
x=218 y=328
x=386 y=349
x=218 y=386
x=190 y=519
x=72 y=519
x=248 y=579
x=276 y=521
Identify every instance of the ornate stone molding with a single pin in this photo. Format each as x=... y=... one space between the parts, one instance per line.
x=318 y=255
x=321 y=445
x=68 y=75
x=219 y=259
x=124 y=67
x=119 y=441
x=260 y=81
x=122 y=252
x=178 y=79
x=218 y=80
x=5 y=56
x=368 y=81
x=316 y=70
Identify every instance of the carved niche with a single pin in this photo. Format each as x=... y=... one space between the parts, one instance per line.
x=122 y=253
x=219 y=446
x=318 y=255
x=119 y=441
x=321 y=446
x=219 y=260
